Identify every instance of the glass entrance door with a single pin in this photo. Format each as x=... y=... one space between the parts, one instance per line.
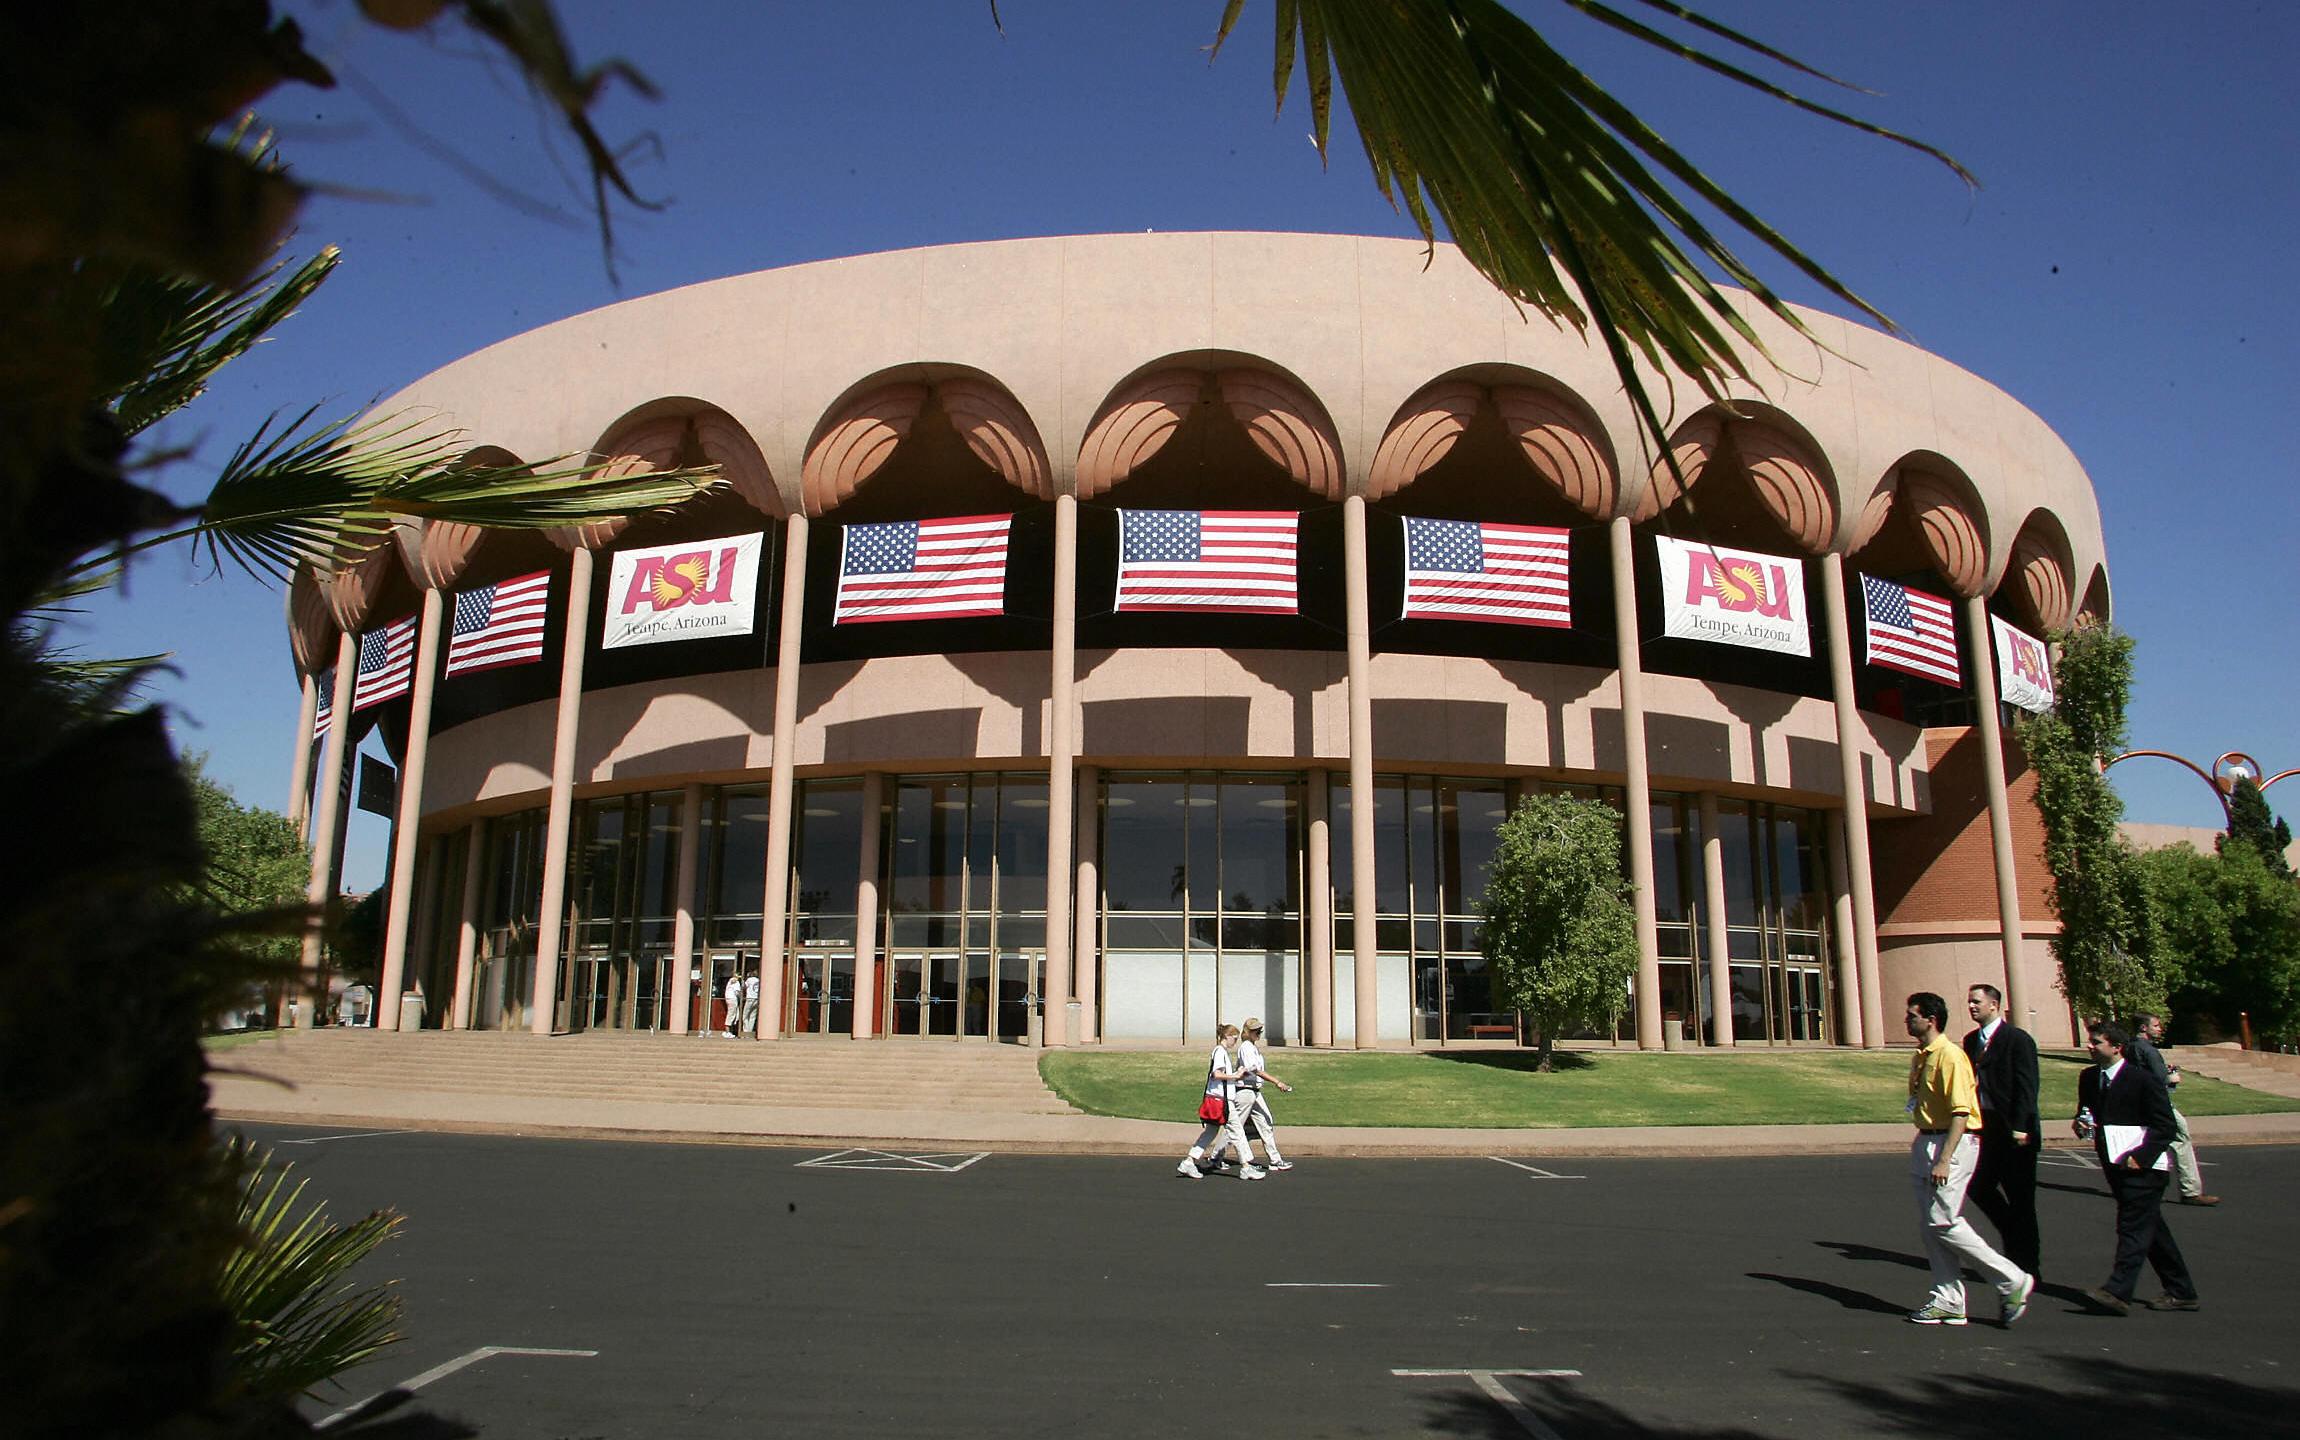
x=820 y=995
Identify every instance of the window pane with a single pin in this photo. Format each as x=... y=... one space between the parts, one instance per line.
x=1469 y=815
x=1742 y=874
x=929 y=843
x=1143 y=932
x=1673 y=823
x=1258 y=848
x=1022 y=844
x=1421 y=817
x=660 y=875
x=739 y=869
x=1202 y=849
x=1391 y=895
x=829 y=858
x=1142 y=856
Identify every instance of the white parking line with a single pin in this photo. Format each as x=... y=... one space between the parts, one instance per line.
x=937 y=1163
x=1534 y=1170
x=1322 y=1285
x=356 y=1135
x=441 y=1372
x=1498 y=1393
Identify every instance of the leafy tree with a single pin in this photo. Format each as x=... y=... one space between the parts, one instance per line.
x=1558 y=925
x=2254 y=827
x=2110 y=963
x=2234 y=924
x=253 y=861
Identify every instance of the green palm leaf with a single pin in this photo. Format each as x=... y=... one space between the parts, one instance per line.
x=299 y=1318
x=1552 y=188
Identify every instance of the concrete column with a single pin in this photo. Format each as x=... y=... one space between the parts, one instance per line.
x=1852 y=1005
x=467 y=927
x=1630 y=665
x=866 y=909
x=775 y=922
x=423 y=921
x=410 y=811
x=1061 y=766
x=1713 y=911
x=1852 y=779
x=1361 y=770
x=327 y=817
x=559 y=819
x=2000 y=807
x=683 y=914
x=1318 y=904
x=299 y=768
x=1086 y=931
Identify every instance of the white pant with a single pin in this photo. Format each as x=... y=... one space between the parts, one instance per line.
x=1231 y=1132
x=1949 y=1237
x=2184 y=1159
x=1255 y=1117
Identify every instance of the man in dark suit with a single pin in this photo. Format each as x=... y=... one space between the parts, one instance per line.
x=2127 y=1113
x=2004 y=1067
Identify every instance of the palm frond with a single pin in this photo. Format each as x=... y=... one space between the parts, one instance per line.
x=309 y=489
x=1552 y=188
x=300 y=1319
x=181 y=331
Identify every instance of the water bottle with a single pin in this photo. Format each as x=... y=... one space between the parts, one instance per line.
x=2084 y=1125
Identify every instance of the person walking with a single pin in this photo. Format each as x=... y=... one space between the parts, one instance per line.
x=751 y=1005
x=734 y=1002
x=2127 y=1114
x=1254 y=1073
x=1225 y=1132
x=1944 y=1106
x=2004 y=1064
x=2147 y=1047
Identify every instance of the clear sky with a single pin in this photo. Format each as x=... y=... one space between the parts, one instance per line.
x=2125 y=270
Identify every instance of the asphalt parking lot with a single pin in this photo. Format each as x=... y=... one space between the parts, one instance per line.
x=560 y=1288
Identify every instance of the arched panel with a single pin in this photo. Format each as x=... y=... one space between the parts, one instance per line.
x=353 y=587
x=1561 y=446
x=312 y=631
x=1788 y=480
x=729 y=446
x=651 y=445
x=2039 y=573
x=436 y=552
x=1423 y=433
x=1693 y=446
x=2096 y=607
x=999 y=432
x=850 y=447
x=1135 y=424
x=1874 y=514
x=1947 y=515
x=1287 y=424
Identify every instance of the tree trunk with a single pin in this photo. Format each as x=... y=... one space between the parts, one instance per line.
x=1541 y=1061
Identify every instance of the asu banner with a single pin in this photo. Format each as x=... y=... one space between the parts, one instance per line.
x=699 y=590
x=1733 y=597
x=2024 y=668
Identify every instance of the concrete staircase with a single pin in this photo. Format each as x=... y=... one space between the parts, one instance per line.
x=2258 y=1069
x=913 y=1075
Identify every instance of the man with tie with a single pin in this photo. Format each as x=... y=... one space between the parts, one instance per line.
x=2127 y=1113
x=2004 y=1068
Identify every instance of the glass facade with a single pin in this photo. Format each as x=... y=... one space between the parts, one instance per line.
x=1200 y=915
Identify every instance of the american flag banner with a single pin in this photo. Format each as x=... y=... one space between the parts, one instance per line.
x=1232 y=560
x=1910 y=631
x=923 y=569
x=324 y=682
x=386 y=664
x=1472 y=570
x=499 y=624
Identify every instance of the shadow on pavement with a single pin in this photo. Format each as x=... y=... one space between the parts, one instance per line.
x=1522 y=1060
x=1850 y=1299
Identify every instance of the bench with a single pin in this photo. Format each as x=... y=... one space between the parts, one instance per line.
x=1493 y=1032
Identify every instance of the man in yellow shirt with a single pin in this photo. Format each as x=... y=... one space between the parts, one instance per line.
x=1945 y=1106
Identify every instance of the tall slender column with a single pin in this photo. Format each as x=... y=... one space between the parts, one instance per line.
x=423 y=922
x=2000 y=808
x=1360 y=623
x=327 y=816
x=775 y=922
x=1716 y=942
x=467 y=927
x=410 y=816
x=1851 y=778
x=1318 y=905
x=559 y=820
x=1630 y=664
x=299 y=768
x=682 y=979
x=1086 y=933
x=1061 y=766
x=867 y=908
x=1851 y=1006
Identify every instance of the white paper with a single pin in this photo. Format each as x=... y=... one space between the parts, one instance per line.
x=2122 y=1140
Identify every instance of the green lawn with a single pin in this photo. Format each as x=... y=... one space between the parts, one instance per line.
x=1501 y=1089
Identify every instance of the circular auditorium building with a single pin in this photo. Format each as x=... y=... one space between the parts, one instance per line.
x=1099 y=638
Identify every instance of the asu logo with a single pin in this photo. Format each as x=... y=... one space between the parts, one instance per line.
x=692 y=578
x=2028 y=662
x=1741 y=586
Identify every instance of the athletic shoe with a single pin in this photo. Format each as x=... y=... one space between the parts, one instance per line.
x=1281 y=1165
x=1935 y=1315
x=2110 y=1304
x=1189 y=1170
x=1253 y=1172
x=2176 y=1302
x=2016 y=1303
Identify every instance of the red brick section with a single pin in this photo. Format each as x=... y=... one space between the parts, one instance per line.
x=1937 y=869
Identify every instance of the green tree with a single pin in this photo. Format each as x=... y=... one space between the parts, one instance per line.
x=2234 y=925
x=2110 y=962
x=2254 y=827
x=252 y=861
x=1559 y=931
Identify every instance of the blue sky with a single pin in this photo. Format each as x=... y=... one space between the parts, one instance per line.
x=2124 y=271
